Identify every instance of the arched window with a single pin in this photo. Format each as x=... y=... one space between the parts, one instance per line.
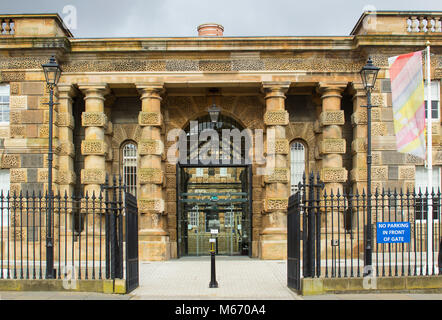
x=129 y=166
x=297 y=164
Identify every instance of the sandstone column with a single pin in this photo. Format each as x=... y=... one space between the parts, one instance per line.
x=359 y=143
x=331 y=145
x=94 y=147
x=273 y=238
x=66 y=123
x=154 y=239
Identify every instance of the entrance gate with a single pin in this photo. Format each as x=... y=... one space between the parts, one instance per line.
x=121 y=225
x=209 y=200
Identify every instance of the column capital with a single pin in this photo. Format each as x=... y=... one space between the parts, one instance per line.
x=273 y=89
x=66 y=90
x=331 y=89
x=152 y=90
x=94 y=90
x=357 y=90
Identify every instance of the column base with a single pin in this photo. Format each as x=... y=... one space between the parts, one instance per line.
x=273 y=244
x=153 y=245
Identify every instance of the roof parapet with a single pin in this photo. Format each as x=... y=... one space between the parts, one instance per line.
x=398 y=22
x=33 y=25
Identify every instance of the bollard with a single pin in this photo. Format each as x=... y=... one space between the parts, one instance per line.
x=213 y=283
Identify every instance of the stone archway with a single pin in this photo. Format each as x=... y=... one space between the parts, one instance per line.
x=178 y=111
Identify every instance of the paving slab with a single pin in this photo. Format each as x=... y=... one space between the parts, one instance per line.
x=237 y=277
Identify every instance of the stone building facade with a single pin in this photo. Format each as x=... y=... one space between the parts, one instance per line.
x=116 y=94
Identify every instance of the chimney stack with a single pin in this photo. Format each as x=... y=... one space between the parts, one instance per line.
x=210 y=30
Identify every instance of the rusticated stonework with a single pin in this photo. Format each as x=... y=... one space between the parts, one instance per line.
x=15 y=117
x=358 y=174
x=334 y=174
x=149 y=118
x=327 y=118
x=275 y=204
x=9 y=76
x=359 y=145
x=328 y=146
x=407 y=173
x=18 y=102
x=18 y=175
x=67 y=148
x=377 y=100
x=276 y=118
x=10 y=161
x=66 y=177
x=17 y=131
x=93 y=176
x=65 y=120
x=281 y=146
x=93 y=147
x=151 y=175
x=42 y=175
x=151 y=205
x=379 y=173
x=278 y=175
x=378 y=129
x=149 y=146
x=93 y=119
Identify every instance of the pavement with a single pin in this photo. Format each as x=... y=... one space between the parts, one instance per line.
x=239 y=278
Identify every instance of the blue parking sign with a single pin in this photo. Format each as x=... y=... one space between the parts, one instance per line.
x=393 y=232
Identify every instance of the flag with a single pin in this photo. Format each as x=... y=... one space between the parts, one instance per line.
x=407 y=89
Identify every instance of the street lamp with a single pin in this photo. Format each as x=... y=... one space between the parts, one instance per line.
x=369 y=74
x=52 y=73
x=214 y=111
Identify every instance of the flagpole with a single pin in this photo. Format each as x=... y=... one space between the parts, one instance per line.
x=429 y=165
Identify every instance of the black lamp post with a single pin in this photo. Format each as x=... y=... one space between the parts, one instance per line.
x=369 y=74
x=52 y=74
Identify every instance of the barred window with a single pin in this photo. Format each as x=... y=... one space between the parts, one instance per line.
x=130 y=167
x=194 y=217
x=4 y=188
x=435 y=99
x=297 y=164
x=421 y=184
x=4 y=103
x=228 y=219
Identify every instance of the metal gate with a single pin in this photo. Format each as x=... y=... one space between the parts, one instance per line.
x=121 y=226
x=303 y=224
x=132 y=271
x=293 y=243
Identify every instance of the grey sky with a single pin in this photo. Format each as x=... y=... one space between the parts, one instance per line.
x=179 y=18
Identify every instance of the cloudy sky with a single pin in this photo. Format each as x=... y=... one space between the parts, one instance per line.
x=179 y=18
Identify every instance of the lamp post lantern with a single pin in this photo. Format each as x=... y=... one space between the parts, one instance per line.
x=52 y=73
x=369 y=74
x=214 y=112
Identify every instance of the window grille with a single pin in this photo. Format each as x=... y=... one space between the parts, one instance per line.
x=4 y=103
x=130 y=168
x=421 y=185
x=297 y=164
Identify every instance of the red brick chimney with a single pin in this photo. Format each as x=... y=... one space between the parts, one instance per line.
x=210 y=30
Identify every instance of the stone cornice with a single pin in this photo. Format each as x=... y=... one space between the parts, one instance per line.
x=262 y=44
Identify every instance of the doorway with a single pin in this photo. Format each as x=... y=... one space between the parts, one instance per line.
x=214 y=197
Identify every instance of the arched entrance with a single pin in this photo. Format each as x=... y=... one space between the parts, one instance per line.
x=214 y=196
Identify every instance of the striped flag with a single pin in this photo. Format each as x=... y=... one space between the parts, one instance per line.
x=407 y=89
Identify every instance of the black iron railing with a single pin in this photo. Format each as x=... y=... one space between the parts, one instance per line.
x=87 y=233
x=332 y=228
